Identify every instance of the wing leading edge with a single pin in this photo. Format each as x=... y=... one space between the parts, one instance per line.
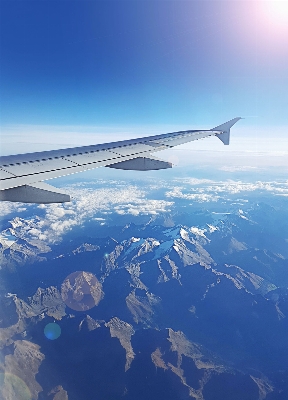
x=22 y=175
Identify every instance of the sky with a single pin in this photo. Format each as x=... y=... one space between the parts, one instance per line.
x=85 y=72
x=76 y=72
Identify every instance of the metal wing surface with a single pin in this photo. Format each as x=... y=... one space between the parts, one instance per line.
x=22 y=175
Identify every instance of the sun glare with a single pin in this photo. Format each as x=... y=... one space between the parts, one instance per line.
x=277 y=10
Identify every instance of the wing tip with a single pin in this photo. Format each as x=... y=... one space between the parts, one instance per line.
x=227 y=125
x=224 y=134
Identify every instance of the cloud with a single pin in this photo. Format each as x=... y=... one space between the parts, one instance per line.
x=207 y=190
x=122 y=200
x=97 y=199
x=193 y=181
x=6 y=208
x=234 y=168
x=58 y=219
x=199 y=197
x=147 y=207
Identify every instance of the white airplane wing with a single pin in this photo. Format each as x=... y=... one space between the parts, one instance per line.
x=22 y=175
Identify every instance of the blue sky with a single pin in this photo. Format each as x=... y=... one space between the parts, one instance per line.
x=143 y=63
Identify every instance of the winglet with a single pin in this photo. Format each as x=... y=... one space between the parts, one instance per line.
x=224 y=129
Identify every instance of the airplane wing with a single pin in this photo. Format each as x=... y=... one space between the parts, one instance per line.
x=22 y=175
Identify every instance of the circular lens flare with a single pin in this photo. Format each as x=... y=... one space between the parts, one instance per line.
x=52 y=331
x=81 y=291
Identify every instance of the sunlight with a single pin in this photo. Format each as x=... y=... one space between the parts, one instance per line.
x=277 y=10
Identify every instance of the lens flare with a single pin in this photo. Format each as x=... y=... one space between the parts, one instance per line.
x=81 y=291
x=52 y=331
x=277 y=10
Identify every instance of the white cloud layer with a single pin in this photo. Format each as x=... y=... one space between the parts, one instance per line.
x=58 y=219
x=90 y=202
x=177 y=192
x=9 y=208
x=206 y=190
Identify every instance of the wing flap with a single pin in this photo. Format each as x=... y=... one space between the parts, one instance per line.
x=5 y=175
x=91 y=157
x=142 y=164
x=133 y=149
x=32 y=167
x=36 y=193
